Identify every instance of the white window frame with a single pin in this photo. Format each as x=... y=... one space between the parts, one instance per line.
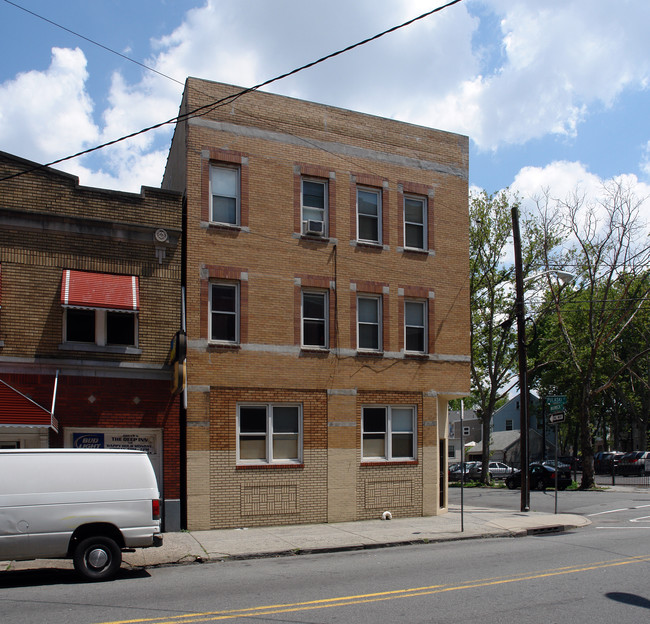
x=324 y=211
x=378 y=217
x=389 y=433
x=324 y=319
x=237 y=196
x=422 y=225
x=101 y=327
x=378 y=300
x=269 y=434
x=422 y=327
x=236 y=313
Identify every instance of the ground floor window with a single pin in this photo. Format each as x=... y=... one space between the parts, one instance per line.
x=388 y=432
x=269 y=433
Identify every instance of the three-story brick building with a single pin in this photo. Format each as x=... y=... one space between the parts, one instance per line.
x=327 y=308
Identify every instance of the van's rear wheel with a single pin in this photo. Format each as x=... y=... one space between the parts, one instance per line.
x=97 y=558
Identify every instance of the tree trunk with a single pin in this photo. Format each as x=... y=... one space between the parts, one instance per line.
x=586 y=447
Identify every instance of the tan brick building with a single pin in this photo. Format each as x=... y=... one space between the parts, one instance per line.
x=90 y=293
x=327 y=308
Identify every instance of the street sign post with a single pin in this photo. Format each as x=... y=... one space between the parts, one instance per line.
x=556 y=416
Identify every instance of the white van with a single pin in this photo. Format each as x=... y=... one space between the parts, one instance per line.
x=83 y=504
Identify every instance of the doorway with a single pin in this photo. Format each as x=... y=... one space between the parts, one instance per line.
x=442 y=455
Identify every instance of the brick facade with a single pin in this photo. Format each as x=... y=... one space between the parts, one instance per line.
x=49 y=224
x=276 y=143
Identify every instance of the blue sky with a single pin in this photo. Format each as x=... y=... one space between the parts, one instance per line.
x=553 y=94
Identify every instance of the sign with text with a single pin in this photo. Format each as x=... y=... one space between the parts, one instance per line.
x=556 y=418
x=556 y=403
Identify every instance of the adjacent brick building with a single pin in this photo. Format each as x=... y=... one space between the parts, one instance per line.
x=90 y=299
x=327 y=308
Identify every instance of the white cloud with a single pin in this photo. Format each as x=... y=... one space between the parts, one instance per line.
x=560 y=58
x=560 y=178
x=563 y=181
x=47 y=114
x=129 y=174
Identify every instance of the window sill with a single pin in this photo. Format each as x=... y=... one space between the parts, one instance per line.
x=93 y=348
x=314 y=238
x=223 y=346
x=416 y=251
x=314 y=351
x=416 y=356
x=369 y=245
x=268 y=466
x=389 y=462
x=224 y=227
x=371 y=354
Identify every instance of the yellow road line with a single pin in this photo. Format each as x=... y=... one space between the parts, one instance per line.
x=344 y=601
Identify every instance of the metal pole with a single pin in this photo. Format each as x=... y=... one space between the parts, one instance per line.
x=523 y=373
x=462 y=468
x=544 y=429
x=56 y=385
x=557 y=468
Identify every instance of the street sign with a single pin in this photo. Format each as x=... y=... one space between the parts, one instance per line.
x=556 y=418
x=556 y=403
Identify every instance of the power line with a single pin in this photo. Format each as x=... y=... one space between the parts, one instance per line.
x=89 y=40
x=207 y=108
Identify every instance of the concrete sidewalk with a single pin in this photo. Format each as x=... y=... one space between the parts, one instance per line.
x=257 y=542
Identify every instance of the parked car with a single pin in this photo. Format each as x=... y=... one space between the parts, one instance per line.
x=499 y=470
x=454 y=471
x=86 y=505
x=541 y=476
x=633 y=463
x=560 y=463
x=574 y=462
x=606 y=461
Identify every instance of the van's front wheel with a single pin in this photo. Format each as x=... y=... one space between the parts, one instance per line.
x=97 y=558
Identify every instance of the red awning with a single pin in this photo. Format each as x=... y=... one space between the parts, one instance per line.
x=17 y=410
x=81 y=289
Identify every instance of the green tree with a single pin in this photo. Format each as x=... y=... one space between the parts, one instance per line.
x=608 y=250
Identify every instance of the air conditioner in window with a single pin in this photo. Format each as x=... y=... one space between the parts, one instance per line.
x=316 y=228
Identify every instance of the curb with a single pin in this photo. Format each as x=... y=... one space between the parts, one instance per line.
x=295 y=552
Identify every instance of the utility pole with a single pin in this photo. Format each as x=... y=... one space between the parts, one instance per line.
x=523 y=372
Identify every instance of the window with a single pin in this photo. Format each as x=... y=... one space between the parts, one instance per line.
x=415 y=326
x=314 y=207
x=269 y=433
x=224 y=195
x=100 y=308
x=451 y=451
x=369 y=323
x=224 y=313
x=315 y=319
x=415 y=210
x=100 y=327
x=369 y=215
x=508 y=425
x=466 y=431
x=388 y=432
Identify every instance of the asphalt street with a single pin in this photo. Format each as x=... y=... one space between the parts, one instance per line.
x=592 y=574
